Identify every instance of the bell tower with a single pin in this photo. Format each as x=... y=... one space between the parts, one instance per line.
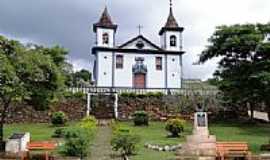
x=105 y=30
x=171 y=33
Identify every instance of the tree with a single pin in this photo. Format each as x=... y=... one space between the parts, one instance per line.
x=27 y=73
x=82 y=77
x=244 y=57
x=43 y=75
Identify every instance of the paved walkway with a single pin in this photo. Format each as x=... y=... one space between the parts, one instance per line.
x=101 y=149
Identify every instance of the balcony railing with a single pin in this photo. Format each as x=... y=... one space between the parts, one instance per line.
x=166 y=91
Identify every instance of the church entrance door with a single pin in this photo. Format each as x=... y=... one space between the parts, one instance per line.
x=139 y=80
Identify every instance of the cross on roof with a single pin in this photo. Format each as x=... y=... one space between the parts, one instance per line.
x=140 y=28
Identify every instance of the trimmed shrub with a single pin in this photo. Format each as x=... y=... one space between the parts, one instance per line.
x=77 y=142
x=125 y=142
x=149 y=94
x=88 y=123
x=175 y=126
x=141 y=118
x=154 y=94
x=130 y=95
x=59 y=133
x=59 y=118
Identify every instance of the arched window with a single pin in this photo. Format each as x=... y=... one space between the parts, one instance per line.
x=173 y=41
x=105 y=38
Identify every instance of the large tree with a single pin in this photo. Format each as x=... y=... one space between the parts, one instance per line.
x=244 y=63
x=33 y=74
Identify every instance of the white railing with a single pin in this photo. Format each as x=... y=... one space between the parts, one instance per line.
x=166 y=91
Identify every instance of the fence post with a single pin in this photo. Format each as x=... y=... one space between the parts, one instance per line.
x=88 y=104
x=116 y=105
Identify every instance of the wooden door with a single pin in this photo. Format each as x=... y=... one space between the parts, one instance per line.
x=139 y=80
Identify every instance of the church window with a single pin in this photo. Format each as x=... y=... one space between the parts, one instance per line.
x=105 y=38
x=158 y=63
x=119 y=61
x=173 y=41
x=173 y=59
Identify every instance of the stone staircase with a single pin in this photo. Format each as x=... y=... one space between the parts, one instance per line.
x=103 y=107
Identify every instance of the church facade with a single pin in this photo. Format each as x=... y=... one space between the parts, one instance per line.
x=138 y=63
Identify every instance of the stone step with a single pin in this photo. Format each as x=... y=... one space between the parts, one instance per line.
x=197 y=139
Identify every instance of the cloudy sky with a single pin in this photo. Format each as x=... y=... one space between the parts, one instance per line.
x=69 y=23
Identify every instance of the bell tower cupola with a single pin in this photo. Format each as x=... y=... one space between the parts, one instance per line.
x=105 y=30
x=171 y=33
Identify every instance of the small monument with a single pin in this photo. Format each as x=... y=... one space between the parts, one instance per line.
x=200 y=145
x=17 y=143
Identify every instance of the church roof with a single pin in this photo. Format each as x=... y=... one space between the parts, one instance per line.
x=171 y=24
x=105 y=21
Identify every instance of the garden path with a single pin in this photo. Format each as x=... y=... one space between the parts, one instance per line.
x=101 y=149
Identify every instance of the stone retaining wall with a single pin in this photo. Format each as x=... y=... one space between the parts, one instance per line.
x=23 y=113
x=158 y=107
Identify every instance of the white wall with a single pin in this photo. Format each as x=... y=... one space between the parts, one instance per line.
x=104 y=69
x=124 y=77
x=100 y=32
x=174 y=71
x=168 y=34
x=162 y=41
x=154 y=78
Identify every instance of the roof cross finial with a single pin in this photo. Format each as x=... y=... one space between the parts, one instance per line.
x=171 y=4
x=140 y=28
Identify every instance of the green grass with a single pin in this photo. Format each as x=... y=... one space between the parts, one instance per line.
x=154 y=134
x=255 y=135
x=38 y=131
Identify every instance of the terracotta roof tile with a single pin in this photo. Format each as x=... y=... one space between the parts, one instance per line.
x=105 y=21
x=171 y=22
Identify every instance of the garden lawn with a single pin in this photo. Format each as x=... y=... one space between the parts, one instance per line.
x=255 y=134
x=38 y=131
x=156 y=134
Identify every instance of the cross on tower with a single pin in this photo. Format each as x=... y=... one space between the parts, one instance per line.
x=140 y=28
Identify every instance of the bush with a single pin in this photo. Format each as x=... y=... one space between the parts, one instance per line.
x=79 y=95
x=141 y=118
x=77 y=142
x=125 y=143
x=129 y=95
x=154 y=94
x=175 y=126
x=59 y=118
x=59 y=133
x=148 y=94
x=88 y=123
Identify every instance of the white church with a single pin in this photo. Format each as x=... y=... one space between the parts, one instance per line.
x=138 y=63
